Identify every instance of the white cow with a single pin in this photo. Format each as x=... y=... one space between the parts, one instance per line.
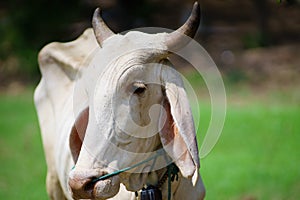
x=97 y=104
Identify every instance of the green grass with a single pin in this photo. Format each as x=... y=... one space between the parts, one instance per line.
x=23 y=169
x=257 y=156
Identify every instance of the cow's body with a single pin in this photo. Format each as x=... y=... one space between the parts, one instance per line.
x=63 y=67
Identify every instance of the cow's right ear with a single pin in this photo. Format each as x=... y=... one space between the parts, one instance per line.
x=78 y=133
x=178 y=135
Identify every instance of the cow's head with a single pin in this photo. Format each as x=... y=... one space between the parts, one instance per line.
x=137 y=105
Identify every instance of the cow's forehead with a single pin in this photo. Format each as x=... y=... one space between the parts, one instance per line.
x=125 y=46
x=135 y=40
x=109 y=62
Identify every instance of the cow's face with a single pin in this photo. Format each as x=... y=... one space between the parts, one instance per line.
x=136 y=105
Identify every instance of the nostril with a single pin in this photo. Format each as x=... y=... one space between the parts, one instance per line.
x=79 y=182
x=90 y=184
x=87 y=185
x=81 y=188
x=80 y=185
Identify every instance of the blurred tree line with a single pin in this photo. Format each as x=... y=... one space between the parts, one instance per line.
x=27 y=25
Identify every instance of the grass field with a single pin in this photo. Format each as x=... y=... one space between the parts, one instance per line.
x=23 y=169
x=257 y=156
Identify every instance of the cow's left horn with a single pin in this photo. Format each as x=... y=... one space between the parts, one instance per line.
x=101 y=30
x=176 y=40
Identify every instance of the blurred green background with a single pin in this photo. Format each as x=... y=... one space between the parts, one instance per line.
x=255 y=44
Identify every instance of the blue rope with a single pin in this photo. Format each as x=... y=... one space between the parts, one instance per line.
x=106 y=176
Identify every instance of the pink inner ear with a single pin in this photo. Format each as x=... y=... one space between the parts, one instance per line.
x=168 y=130
x=174 y=144
x=78 y=133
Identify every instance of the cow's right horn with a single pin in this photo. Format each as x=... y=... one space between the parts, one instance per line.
x=101 y=30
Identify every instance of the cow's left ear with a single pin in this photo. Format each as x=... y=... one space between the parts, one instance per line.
x=78 y=133
x=178 y=133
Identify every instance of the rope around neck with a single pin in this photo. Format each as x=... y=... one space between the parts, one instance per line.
x=172 y=175
x=106 y=176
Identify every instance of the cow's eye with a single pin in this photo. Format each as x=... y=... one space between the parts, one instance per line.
x=139 y=88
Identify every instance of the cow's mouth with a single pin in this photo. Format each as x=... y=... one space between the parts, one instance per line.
x=84 y=186
x=106 y=188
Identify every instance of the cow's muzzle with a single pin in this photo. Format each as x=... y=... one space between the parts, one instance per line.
x=83 y=187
